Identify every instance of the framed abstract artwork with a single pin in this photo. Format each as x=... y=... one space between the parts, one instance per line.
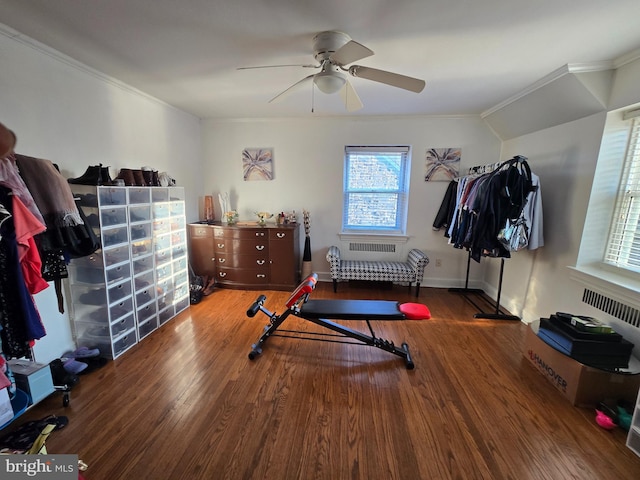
x=257 y=164
x=442 y=164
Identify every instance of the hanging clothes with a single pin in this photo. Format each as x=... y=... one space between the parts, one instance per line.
x=484 y=202
x=19 y=318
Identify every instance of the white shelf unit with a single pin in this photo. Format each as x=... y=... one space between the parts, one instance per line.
x=125 y=291
x=633 y=438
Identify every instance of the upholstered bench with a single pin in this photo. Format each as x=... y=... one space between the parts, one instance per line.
x=410 y=271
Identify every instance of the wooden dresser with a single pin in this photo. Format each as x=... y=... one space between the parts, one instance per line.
x=247 y=256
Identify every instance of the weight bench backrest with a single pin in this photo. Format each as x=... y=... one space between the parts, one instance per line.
x=306 y=286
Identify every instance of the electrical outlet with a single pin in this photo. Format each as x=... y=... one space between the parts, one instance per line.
x=438 y=262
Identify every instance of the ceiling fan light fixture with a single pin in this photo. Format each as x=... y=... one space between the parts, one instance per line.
x=329 y=82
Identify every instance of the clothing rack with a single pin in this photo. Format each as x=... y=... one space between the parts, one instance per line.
x=498 y=313
x=469 y=293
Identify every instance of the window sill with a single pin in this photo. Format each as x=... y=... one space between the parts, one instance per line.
x=610 y=283
x=373 y=237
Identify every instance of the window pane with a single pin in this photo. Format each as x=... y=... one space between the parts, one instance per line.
x=374 y=172
x=372 y=210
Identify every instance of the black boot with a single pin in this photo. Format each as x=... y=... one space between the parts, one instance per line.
x=90 y=177
x=105 y=178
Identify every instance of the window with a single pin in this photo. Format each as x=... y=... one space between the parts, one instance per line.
x=376 y=190
x=623 y=245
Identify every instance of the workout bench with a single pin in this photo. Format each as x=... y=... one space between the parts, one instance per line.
x=321 y=311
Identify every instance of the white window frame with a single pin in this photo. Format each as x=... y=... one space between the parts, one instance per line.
x=623 y=243
x=402 y=191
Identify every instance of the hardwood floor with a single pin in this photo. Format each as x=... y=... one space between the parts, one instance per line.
x=187 y=403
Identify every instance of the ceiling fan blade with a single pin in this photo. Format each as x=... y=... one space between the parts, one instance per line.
x=393 y=79
x=350 y=98
x=277 y=66
x=350 y=52
x=293 y=87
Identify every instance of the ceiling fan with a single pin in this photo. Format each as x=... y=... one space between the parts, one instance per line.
x=333 y=51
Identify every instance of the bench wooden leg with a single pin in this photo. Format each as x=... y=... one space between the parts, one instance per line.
x=335 y=285
x=417 y=289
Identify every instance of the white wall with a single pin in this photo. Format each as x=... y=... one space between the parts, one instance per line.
x=308 y=158
x=537 y=283
x=75 y=117
x=565 y=158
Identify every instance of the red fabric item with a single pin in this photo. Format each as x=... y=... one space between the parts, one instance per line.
x=415 y=311
x=26 y=226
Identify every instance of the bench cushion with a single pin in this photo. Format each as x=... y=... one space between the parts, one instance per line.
x=377 y=271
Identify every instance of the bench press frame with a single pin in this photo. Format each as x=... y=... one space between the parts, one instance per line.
x=294 y=307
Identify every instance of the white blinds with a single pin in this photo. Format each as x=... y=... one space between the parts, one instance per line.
x=623 y=246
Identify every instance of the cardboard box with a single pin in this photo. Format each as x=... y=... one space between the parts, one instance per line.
x=33 y=378
x=582 y=385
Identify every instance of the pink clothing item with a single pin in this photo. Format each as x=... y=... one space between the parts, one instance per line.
x=10 y=178
x=26 y=227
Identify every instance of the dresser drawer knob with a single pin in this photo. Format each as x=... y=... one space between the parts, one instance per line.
x=260 y=262
x=221 y=260
x=260 y=275
x=260 y=247
x=259 y=234
x=221 y=245
x=223 y=274
x=281 y=235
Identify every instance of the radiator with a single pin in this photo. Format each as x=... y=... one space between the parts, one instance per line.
x=613 y=307
x=372 y=247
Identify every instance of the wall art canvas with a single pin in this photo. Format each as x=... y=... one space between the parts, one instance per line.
x=257 y=164
x=442 y=164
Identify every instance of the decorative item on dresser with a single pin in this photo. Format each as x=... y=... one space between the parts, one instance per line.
x=247 y=256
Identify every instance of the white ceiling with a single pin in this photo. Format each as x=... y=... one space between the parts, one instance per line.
x=473 y=54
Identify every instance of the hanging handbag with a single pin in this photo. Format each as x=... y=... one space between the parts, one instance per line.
x=515 y=235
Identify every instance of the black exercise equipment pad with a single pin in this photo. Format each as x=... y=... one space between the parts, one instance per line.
x=352 y=309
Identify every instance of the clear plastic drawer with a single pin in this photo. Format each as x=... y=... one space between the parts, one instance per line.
x=162 y=241
x=161 y=226
x=141 y=247
x=124 y=343
x=114 y=236
x=140 y=213
x=112 y=195
x=143 y=281
x=145 y=296
x=165 y=315
x=141 y=231
x=163 y=272
x=159 y=194
x=113 y=216
x=119 y=292
x=160 y=210
x=182 y=304
x=180 y=264
x=118 y=272
x=176 y=209
x=142 y=264
x=121 y=308
x=116 y=255
x=120 y=326
x=162 y=257
x=139 y=195
x=87 y=275
x=146 y=312
x=147 y=327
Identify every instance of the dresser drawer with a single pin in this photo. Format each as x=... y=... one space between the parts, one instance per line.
x=231 y=260
x=248 y=276
x=241 y=247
